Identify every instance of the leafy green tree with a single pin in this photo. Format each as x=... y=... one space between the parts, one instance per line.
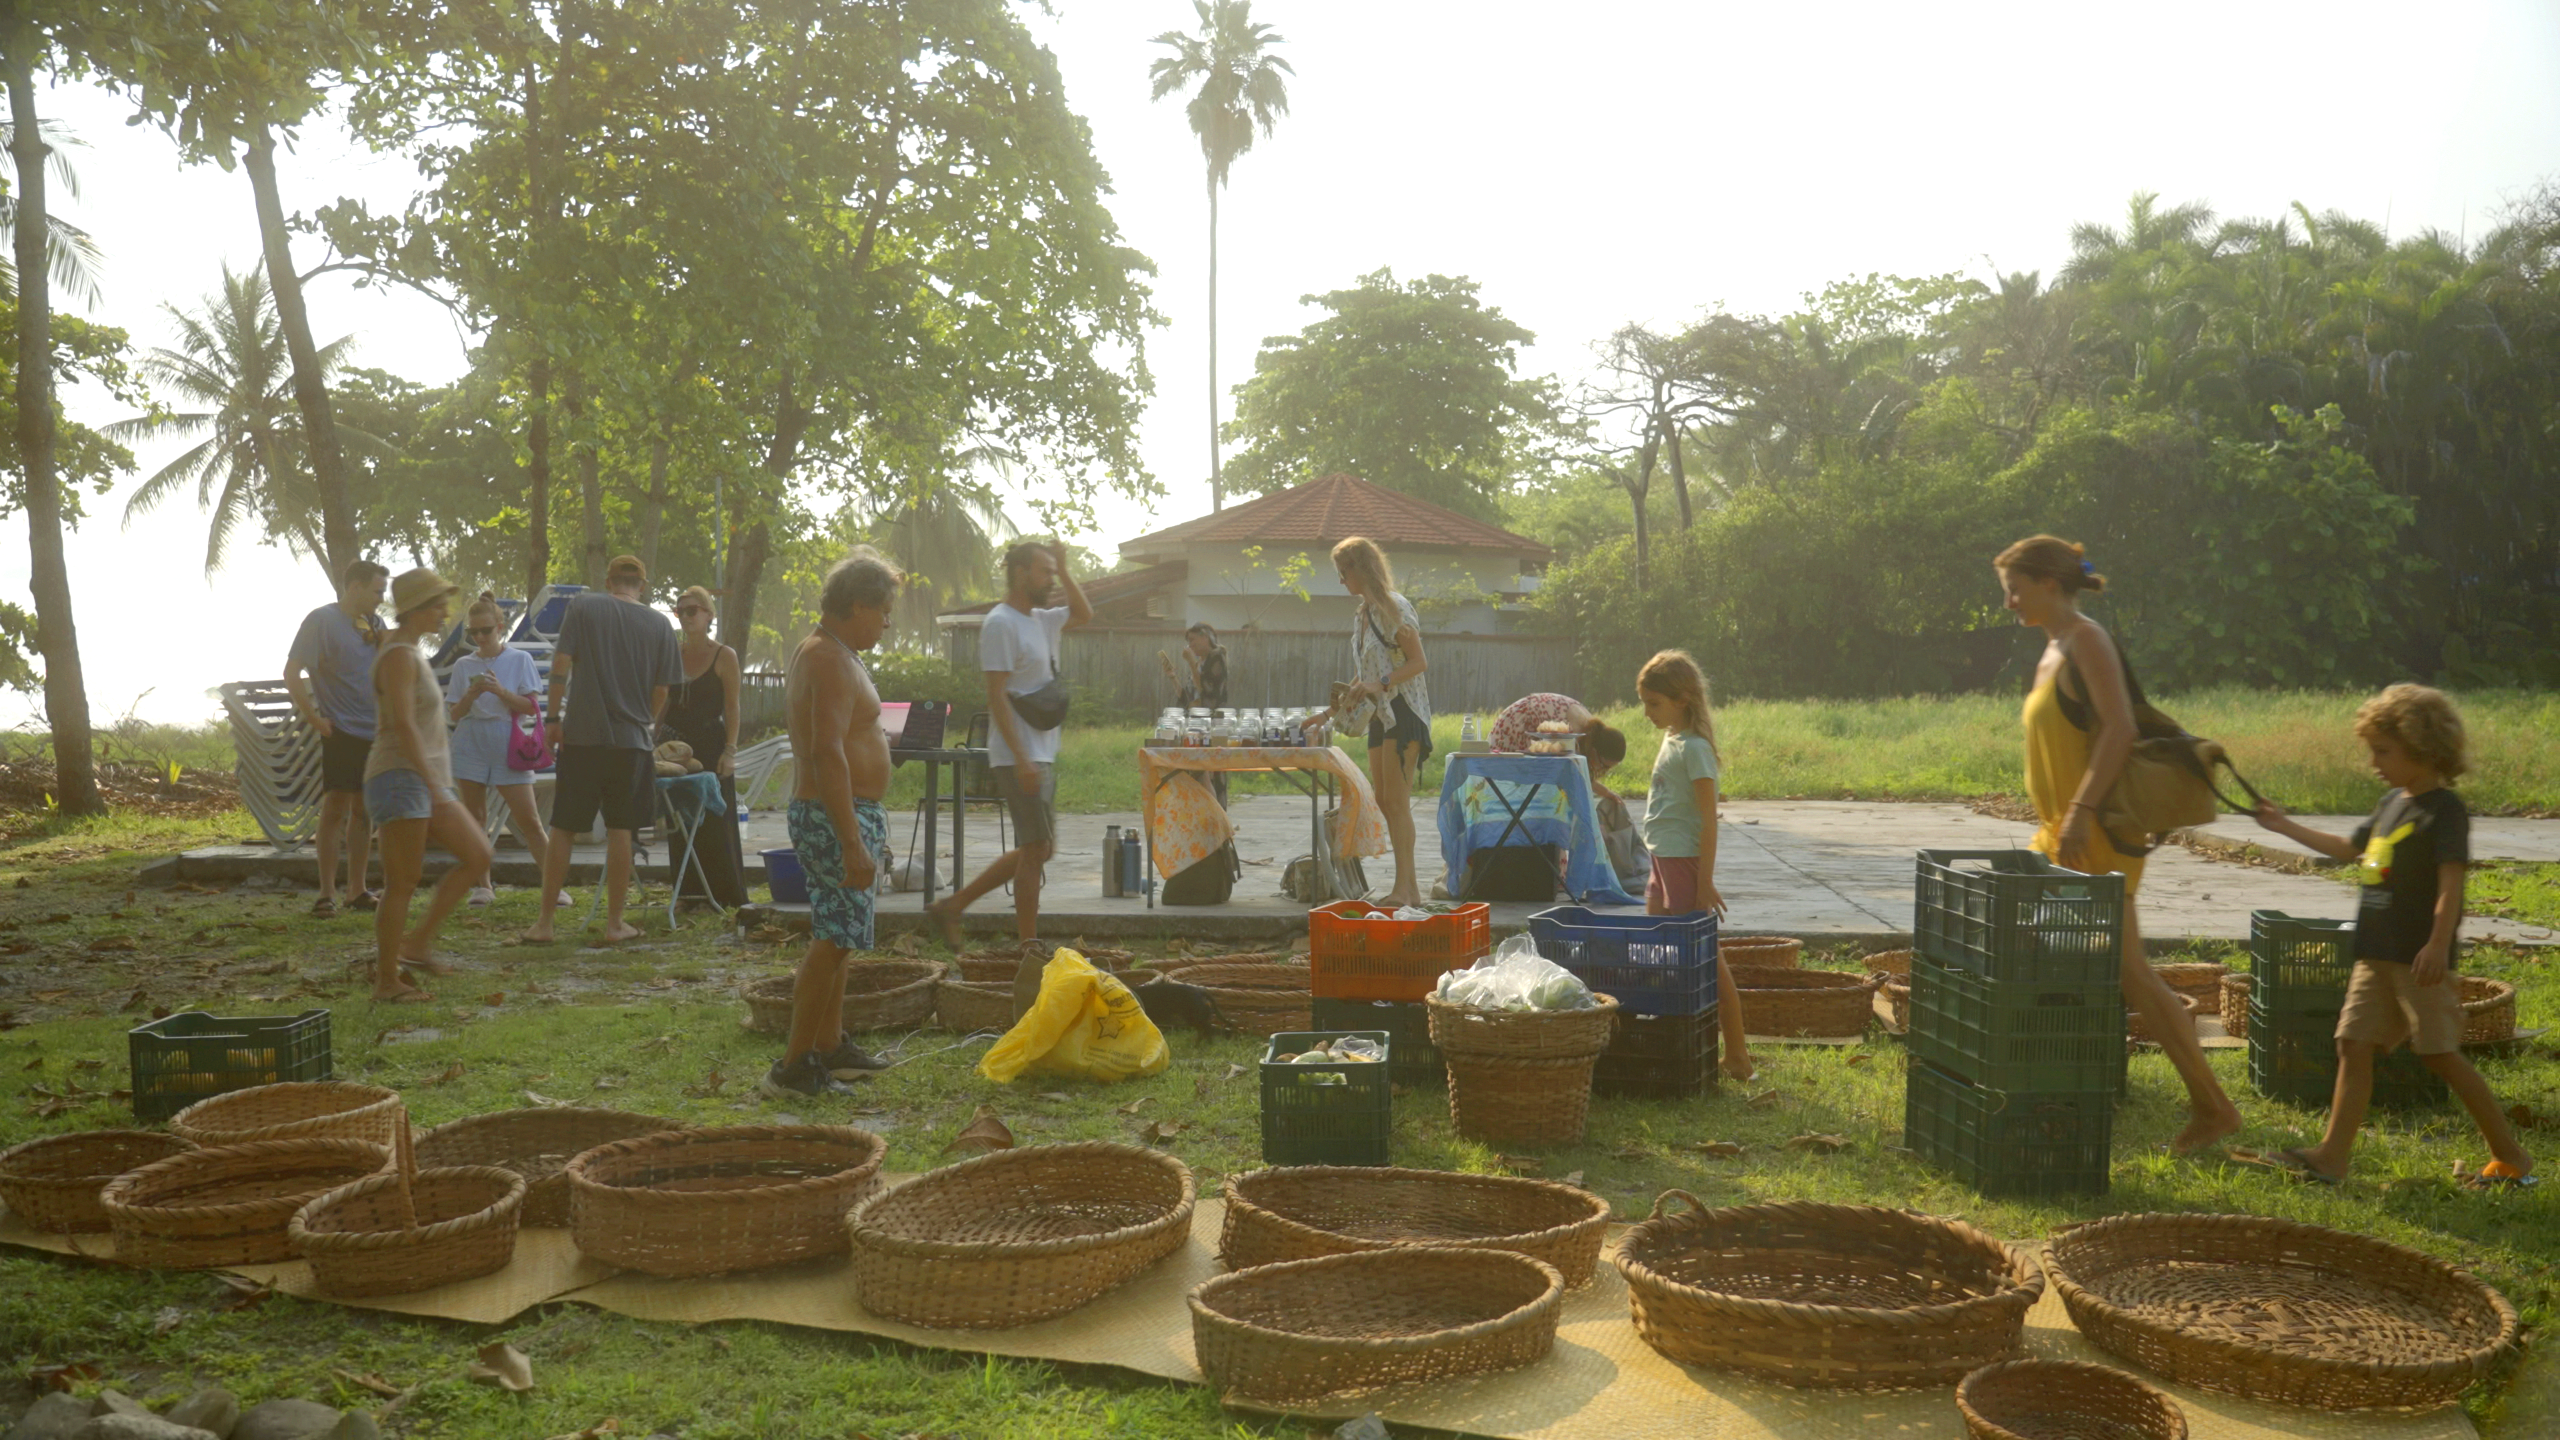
x=1413 y=386
x=1240 y=91
x=86 y=463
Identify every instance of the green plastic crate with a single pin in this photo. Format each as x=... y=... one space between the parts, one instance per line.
x=2300 y=964
x=2017 y=1035
x=1334 y=1114
x=1411 y=1057
x=1660 y=1057
x=2009 y=1142
x=180 y=1059
x=2013 y=915
x=2296 y=1061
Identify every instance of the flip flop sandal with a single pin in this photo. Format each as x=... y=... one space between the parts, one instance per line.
x=324 y=908
x=369 y=900
x=2499 y=1178
x=2294 y=1164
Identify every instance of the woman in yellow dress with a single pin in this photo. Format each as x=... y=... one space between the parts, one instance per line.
x=2072 y=762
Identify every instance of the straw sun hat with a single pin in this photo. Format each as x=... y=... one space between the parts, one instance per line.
x=419 y=587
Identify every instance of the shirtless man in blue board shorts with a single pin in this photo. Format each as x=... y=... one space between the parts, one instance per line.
x=840 y=768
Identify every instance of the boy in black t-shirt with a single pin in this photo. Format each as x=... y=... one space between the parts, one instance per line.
x=2413 y=854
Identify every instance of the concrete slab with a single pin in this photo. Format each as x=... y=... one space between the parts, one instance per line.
x=1835 y=871
x=2493 y=837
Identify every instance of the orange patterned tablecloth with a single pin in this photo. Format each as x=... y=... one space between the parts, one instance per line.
x=1189 y=823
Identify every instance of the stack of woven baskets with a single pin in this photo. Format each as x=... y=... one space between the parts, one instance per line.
x=1520 y=1076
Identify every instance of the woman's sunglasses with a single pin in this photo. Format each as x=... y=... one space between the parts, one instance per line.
x=684 y=610
x=476 y=632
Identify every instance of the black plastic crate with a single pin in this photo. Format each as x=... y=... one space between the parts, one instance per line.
x=1649 y=964
x=2300 y=965
x=2014 y=915
x=180 y=1059
x=1660 y=1057
x=2017 y=1035
x=1411 y=1057
x=2009 y=1142
x=2296 y=1061
x=1326 y=1114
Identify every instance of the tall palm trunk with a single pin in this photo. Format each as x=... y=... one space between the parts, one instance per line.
x=1216 y=488
x=582 y=449
x=653 y=512
x=310 y=389
x=755 y=539
x=537 y=475
x=66 y=691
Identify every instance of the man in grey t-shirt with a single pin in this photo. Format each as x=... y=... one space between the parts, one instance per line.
x=613 y=663
x=329 y=673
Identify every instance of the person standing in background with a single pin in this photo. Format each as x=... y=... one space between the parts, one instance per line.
x=1205 y=661
x=329 y=673
x=486 y=694
x=613 y=663
x=702 y=711
x=1387 y=685
x=1518 y=724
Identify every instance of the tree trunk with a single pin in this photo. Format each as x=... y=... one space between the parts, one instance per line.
x=310 y=387
x=1217 y=489
x=537 y=475
x=582 y=449
x=66 y=690
x=755 y=539
x=1679 y=472
x=653 y=510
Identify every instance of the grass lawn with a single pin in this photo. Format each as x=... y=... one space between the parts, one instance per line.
x=654 y=1027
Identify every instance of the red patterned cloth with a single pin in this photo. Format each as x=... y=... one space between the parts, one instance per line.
x=1518 y=723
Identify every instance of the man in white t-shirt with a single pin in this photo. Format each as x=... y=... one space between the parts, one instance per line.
x=1018 y=651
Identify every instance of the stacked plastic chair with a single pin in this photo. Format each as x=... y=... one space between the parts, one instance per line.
x=279 y=760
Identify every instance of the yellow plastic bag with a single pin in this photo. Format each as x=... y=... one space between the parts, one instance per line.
x=1084 y=1023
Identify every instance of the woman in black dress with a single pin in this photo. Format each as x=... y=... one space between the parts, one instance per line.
x=702 y=711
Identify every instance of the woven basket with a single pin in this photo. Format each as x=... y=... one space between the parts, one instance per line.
x=736 y=1197
x=229 y=1204
x=1018 y=1235
x=2198 y=980
x=1804 y=1002
x=2235 y=1005
x=1506 y=1101
x=295 y=1110
x=52 y=1184
x=1521 y=1034
x=2281 y=1311
x=536 y=1144
x=2065 y=1400
x=990 y=968
x=878 y=995
x=1303 y=1329
x=969 y=1006
x=1256 y=998
x=1895 y=967
x=1896 y=963
x=1777 y=952
x=2488 y=1010
x=2135 y=1029
x=1299 y=1212
x=1840 y=1296
x=381 y=1236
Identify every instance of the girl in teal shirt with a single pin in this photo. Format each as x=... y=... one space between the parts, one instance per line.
x=1680 y=819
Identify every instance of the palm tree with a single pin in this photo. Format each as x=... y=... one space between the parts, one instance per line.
x=946 y=538
x=1240 y=91
x=73 y=256
x=233 y=368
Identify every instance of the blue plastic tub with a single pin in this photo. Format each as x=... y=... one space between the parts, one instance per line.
x=783 y=875
x=1652 y=964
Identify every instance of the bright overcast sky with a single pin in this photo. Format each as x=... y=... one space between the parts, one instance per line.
x=1587 y=165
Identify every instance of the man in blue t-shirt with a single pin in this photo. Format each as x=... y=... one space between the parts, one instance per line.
x=329 y=673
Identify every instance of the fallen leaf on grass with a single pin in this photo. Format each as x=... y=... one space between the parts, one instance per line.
x=664 y=982
x=64 y=1377
x=1764 y=1099
x=494 y=999
x=1719 y=1149
x=1519 y=1164
x=372 y=1382
x=541 y=1101
x=47 y=1109
x=1232 y=1072
x=1631 y=1151
x=47 y=997
x=1819 y=1144
x=609 y=1082
x=169 y=1318
x=2527 y=1118
x=1054 y=1095
x=710 y=1085
x=106 y=944
x=1134 y=1106
x=1570 y=1177
x=238 y=1293
x=604 y=1427
x=985 y=1131
x=909 y=944
x=88 y=1064
x=136 y=1000
x=1861 y=1058
x=9 y=1020
x=35 y=1064
x=663 y=1042
x=504 y=1366
x=446 y=1076
x=1159 y=1132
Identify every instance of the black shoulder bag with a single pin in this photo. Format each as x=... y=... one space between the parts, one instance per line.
x=1046 y=707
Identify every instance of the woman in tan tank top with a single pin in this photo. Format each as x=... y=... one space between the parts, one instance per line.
x=408 y=791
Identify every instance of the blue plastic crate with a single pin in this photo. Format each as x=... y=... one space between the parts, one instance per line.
x=1651 y=964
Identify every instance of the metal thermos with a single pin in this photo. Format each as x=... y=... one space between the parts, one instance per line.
x=1133 y=865
x=1111 y=864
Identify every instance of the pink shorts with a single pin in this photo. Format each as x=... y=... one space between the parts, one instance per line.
x=1673 y=889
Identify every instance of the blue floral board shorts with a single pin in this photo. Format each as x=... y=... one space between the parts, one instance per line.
x=840 y=916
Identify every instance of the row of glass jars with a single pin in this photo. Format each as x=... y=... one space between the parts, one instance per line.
x=1202 y=726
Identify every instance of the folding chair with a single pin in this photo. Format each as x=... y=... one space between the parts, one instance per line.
x=756 y=765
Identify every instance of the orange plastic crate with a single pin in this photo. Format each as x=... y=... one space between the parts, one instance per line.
x=1352 y=958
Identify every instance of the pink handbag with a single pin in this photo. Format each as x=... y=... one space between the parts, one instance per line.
x=527 y=747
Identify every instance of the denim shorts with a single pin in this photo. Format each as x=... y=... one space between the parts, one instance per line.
x=480 y=751
x=401 y=795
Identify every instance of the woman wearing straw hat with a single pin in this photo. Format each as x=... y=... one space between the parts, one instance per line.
x=408 y=791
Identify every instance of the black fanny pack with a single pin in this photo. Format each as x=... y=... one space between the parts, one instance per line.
x=1046 y=707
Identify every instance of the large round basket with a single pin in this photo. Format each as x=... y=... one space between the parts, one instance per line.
x=1257 y=998
x=536 y=1144
x=2136 y=1029
x=1303 y=1329
x=1895 y=967
x=2235 y=1005
x=1824 y=1003
x=736 y=1197
x=1505 y=1101
x=1521 y=1034
x=2488 y=1010
x=1840 y=1296
x=52 y=1184
x=1299 y=1212
x=230 y=1204
x=2279 y=1310
x=1775 y=951
x=372 y=1238
x=878 y=995
x=1018 y=1235
x=969 y=1006
x=2198 y=980
x=2065 y=1400
x=295 y=1110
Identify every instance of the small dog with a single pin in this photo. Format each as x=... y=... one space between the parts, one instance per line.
x=1170 y=1003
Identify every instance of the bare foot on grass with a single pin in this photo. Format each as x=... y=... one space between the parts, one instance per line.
x=537 y=935
x=423 y=961
x=618 y=932
x=2206 y=1130
x=400 y=994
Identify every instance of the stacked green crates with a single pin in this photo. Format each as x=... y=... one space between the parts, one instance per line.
x=2299 y=970
x=2017 y=1033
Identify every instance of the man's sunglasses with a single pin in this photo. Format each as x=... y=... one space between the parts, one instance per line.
x=476 y=633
